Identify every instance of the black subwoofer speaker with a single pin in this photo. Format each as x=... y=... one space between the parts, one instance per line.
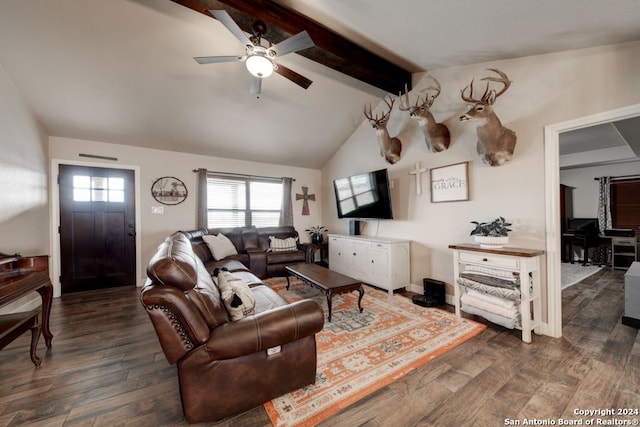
x=434 y=294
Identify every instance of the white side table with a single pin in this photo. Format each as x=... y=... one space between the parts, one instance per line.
x=525 y=262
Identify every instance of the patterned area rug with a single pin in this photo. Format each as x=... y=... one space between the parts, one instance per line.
x=575 y=273
x=359 y=353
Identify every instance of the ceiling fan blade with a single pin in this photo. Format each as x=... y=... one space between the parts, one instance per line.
x=298 y=79
x=256 y=86
x=216 y=59
x=294 y=43
x=227 y=21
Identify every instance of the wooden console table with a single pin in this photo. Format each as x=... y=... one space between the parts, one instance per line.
x=20 y=276
x=524 y=262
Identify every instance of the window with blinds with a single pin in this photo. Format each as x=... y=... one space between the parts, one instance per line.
x=243 y=201
x=625 y=204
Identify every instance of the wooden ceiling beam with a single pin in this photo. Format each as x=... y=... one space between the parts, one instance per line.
x=331 y=49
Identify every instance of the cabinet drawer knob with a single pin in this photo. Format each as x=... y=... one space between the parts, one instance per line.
x=354 y=254
x=485 y=259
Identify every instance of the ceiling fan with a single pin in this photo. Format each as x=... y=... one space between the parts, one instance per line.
x=260 y=59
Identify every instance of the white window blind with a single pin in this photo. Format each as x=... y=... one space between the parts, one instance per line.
x=243 y=201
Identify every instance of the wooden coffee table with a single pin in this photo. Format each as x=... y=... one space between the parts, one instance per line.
x=327 y=281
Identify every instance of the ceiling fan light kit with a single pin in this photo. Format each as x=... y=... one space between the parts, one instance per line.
x=259 y=65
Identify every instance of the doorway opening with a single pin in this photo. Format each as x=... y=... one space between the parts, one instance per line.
x=552 y=191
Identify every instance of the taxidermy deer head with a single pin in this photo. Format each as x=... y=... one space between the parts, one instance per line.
x=436 y=135
x=495 y=142
x=390 y=148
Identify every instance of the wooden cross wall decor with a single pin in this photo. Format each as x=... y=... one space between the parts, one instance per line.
x=305 y=199
x=417 y=172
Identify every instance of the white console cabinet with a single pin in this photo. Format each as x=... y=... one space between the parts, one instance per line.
x=378 y=261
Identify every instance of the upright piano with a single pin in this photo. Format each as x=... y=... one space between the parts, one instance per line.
x=20 y=276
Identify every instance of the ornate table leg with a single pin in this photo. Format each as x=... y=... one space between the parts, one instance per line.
x=46 y=293
x=361 y=292
x=329 y=298
x=35 y=336
x=288 y=284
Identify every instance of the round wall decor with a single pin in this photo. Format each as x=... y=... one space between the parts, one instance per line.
x=169 y=190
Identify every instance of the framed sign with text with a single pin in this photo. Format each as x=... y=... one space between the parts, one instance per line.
x=450 y=183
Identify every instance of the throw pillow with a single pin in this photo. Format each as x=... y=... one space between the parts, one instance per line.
x=282 y=245
x=236 y=295
x=220 y=246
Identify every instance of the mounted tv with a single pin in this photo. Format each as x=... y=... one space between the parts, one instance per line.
x=364 y=196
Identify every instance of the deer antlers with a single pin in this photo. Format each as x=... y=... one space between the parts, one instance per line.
x=404 y=103
x=427 y=102
x=489 y=96
x=384 y=117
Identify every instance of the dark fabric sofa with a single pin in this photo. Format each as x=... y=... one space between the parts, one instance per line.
x=252 y=245
x=226 y=367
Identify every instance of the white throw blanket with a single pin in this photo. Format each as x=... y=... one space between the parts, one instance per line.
x=493 y=318
x=501 y=309
x=495 y=300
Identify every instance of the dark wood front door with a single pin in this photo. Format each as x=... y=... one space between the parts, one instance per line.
x=97 y=228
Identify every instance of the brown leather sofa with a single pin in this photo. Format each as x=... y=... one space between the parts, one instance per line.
x=252 y=245
x=226 y=367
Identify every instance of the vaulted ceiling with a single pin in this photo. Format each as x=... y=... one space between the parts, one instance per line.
x=122 y=71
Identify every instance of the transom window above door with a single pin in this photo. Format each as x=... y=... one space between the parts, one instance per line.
x=98 y=189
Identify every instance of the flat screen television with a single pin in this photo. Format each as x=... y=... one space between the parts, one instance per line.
x=364 y=196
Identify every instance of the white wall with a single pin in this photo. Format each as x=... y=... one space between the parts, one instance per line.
x=24 y=223
x=23 y=176
x=154 y=164
x=586 y=188
x=546 y=89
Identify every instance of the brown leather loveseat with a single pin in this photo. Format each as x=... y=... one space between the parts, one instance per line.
x=226 y=367
x=253 y=249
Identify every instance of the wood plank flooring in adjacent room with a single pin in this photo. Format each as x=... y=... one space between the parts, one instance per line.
x=106 y=368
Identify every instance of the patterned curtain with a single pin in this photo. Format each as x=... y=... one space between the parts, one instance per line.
x=286 y=211
x=604 y=203
x=201 y=208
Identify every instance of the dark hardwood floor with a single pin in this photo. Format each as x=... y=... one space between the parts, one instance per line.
x=106 y=368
